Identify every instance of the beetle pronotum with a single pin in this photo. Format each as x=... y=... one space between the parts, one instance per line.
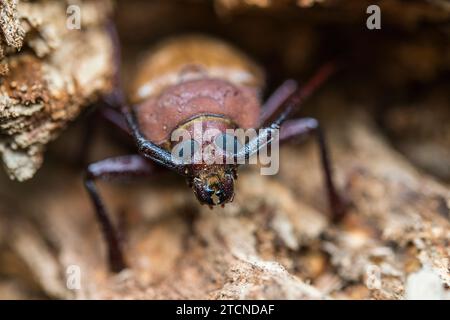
x=191 y=79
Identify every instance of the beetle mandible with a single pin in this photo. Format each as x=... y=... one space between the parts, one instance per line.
x=195 y=79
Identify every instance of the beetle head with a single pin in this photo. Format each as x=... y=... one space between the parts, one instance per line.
x=214 y=185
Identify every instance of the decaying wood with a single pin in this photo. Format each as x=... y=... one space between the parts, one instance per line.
x=50 y=73
x=274 y=240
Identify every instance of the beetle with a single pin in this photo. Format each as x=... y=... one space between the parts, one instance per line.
x=196 y=79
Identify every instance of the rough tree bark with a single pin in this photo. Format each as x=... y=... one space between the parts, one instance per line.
x=49 y=74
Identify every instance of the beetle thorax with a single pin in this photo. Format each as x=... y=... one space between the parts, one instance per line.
x=159 y=116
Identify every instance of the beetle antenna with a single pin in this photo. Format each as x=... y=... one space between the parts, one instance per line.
x=151 y=150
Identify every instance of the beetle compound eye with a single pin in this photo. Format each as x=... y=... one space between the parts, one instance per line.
x=185 y=150
x=228 y=143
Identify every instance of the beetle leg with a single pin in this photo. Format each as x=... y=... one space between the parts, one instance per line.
x=111 y=116
x=114 y=117
x=300 y=95
x=294 y=100
x=82 y=150
x=277 y=99
x=110 y=104
x=308 y=126
x=124 y=166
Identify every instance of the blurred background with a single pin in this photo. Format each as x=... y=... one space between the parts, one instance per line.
x=405 y=63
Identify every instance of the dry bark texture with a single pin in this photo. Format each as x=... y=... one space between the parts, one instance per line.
x=385 y=117
x=49 y=74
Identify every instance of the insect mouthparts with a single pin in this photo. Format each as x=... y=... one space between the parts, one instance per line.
x=215 y=198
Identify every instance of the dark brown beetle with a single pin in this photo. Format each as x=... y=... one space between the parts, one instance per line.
x=190 y=80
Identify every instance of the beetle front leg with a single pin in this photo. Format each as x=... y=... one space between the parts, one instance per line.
x=307 y=126
x=119 y=167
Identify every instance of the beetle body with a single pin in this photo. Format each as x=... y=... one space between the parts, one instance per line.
x=192 y=82
x=186 y=77
x=197 y=80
